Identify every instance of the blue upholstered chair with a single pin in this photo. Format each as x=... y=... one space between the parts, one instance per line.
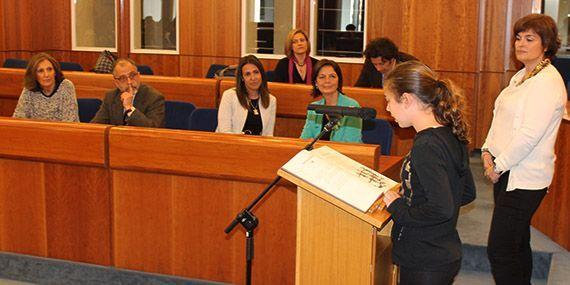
x=177 y=114
x=204 y=119
x=270 y=75
x=88 y=107
x=213 y=69
x=70 y=66
x=378 y=131
x=145 y=69
x=15 y=63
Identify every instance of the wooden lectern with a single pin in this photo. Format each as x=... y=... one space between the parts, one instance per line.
x=336 y=243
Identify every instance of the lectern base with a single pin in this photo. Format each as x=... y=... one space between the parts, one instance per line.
x=336 y=247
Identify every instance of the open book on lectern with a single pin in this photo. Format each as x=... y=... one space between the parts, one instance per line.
x=341 y=177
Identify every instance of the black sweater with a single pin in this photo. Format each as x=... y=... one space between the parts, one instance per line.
x=436 y=180
x=281 y=71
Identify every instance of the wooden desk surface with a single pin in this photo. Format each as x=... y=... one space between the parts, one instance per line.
x=76 y=143
x=184 y=152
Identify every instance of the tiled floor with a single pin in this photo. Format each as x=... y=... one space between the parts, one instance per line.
x=473 y=227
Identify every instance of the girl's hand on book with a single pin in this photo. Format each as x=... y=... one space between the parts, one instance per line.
x=389 y=197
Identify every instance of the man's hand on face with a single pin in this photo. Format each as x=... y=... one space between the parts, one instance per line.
x=127 y=98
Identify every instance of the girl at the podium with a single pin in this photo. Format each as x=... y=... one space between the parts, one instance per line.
x=436 y=178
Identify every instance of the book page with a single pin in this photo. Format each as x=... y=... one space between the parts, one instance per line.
x=340 y=176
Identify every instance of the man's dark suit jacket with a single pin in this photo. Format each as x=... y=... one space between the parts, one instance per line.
x=149 y=105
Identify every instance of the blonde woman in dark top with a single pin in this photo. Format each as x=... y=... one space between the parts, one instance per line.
x=436 y=178
x=47 y=95
x=298 y=66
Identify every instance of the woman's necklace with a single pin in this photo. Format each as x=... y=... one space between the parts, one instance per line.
x=253 y=108
x=540 y=66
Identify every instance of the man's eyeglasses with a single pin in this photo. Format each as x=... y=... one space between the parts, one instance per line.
x=125 y=78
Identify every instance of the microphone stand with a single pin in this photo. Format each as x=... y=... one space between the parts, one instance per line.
x=249 y=221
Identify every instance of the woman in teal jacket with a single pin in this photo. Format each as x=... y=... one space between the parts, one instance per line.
x=327 y=81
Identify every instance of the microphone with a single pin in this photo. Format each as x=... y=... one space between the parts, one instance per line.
x=364 y=113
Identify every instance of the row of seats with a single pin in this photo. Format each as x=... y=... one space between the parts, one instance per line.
x=68 y=66
x=229 y=71
x=185 y=116
x=178 y=115
x=225 y=70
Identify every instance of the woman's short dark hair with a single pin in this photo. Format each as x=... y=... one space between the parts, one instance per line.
x=30 y=77
x=241 y=89
x=544 y=26
x=320 y=64
x=381 y=47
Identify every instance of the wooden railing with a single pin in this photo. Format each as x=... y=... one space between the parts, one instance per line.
x=153 y=200
x=292 y=99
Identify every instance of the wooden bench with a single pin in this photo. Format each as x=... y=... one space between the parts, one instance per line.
x=199 y=91
x=292 y=99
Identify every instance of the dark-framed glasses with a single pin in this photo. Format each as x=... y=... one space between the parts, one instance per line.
x=125 y=78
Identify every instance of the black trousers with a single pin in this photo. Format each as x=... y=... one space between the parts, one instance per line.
x=414 y=277
x=508 y=247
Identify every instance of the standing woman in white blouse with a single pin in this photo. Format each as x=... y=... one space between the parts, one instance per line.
x=518 y=154
x=248 y=108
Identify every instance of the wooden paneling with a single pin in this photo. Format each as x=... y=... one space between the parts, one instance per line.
x=18 y=28
x=327 y=253
x=210 y=28
x=493 y=44
x=174 y=209
x=164 y=211
x=386 y=18
x=53 y=141
x=197 y=66
x=123 y=26
x=50 y=203
x=303 y=14
x=2 y=30
x=174 y=225
x=443 y=34
x=220 y=150
x=214 y=199
x=51 y=24
x=490 y=85
x=22 y=207
x=166 y=65
x=223 y=257
x=553 y=215
x=142 y=224
x=78 y=220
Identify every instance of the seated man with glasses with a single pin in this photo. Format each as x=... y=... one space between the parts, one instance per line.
x=132 y=103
